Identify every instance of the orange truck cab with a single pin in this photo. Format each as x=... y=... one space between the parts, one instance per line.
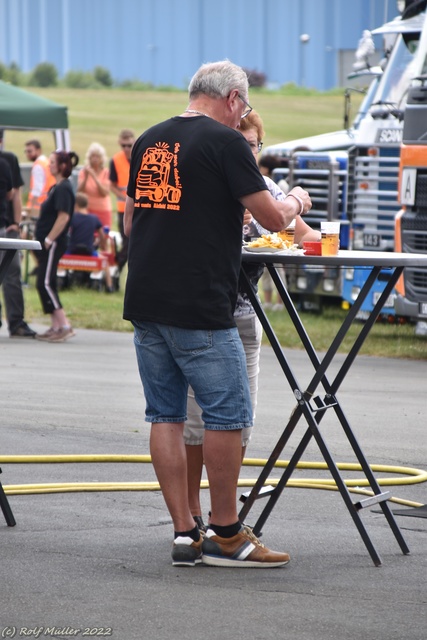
x=411 y=220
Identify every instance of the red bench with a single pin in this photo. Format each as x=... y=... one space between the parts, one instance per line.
x=74 y=262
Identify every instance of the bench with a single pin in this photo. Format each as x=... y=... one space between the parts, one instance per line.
x=92 y=267
x=75 y=262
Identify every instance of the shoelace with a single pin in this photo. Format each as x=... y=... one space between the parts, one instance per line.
x=252 y=537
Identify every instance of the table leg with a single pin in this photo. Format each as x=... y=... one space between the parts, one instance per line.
x=5 y=507
x=315 y=415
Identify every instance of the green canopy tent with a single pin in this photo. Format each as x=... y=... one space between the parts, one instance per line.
x=21 y=109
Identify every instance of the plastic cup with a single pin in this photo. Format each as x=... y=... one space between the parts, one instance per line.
x=330 y=237
x=288 y=233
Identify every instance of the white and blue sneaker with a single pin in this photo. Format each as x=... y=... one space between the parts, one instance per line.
x=242 y=550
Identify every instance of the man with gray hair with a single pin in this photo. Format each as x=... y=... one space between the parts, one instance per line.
x=191 y=178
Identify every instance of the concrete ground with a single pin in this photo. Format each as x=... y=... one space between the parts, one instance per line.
x=83 y=563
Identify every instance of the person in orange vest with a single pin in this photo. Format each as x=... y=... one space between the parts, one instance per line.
x=119 y=177
x=41 y=179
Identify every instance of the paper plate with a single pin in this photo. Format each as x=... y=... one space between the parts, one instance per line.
x=263 y=249
x=268 y=250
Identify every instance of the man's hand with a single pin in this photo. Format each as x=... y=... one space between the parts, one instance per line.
x=13 y=227
x=304 y=196
x=247 y=217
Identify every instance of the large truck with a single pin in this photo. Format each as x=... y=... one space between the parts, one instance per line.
x=411 y=221
x=370 y=153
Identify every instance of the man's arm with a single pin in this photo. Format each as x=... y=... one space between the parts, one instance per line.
x=16 y=201
x=128 y=215
x=119 y=193
x=274 y=214
x=39 y=179
x=114 y=188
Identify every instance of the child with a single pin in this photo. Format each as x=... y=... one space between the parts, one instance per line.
x=83 y=240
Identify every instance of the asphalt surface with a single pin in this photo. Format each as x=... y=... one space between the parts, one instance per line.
x=81 y=563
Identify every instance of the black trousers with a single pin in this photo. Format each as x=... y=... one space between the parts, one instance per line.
x=12 y=288
x=46 y=275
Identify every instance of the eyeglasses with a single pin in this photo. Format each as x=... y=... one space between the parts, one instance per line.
x=126 y=146
x=256 y=146
x=248 y=110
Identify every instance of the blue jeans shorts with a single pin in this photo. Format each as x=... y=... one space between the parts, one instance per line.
x=211 y=361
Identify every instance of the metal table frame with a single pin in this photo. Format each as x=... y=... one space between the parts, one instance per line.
x=8 y=248
x=313 y=408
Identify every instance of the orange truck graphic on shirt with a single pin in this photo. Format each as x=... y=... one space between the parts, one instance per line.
x=153 y=180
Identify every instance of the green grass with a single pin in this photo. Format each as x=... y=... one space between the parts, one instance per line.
x=91 y=309
x=384 y=340
x=86 y=308
x=98 y=115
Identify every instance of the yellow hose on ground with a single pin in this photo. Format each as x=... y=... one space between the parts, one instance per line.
x=355 y=486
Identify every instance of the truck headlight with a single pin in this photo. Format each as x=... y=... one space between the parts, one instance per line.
x=349 y=273
x=301 y=282
x=328 y=285
x=354 y=293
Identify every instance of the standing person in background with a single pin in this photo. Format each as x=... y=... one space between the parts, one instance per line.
x=41 y=179
x=9 y=228
x=51 y=232
x=94 y=181
x=6 y=192
x=267 y=163
x=6 y=188
x=181 y=290
x=119 y=178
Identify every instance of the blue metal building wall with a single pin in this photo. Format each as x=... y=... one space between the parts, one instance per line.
x=164 y=41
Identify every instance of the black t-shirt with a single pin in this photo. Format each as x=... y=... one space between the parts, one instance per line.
x=82 y=231
x=186 y=178
x=17 y=181
x=60 y=198
x=113 y=172
x=5 y=187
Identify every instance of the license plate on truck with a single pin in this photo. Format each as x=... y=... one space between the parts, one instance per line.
x=388 y=303
x=371 y=240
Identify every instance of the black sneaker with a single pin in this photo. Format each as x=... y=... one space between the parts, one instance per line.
x=186 y=552
x=23 y=331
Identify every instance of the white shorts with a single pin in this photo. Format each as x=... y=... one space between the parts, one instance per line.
x=250 y=331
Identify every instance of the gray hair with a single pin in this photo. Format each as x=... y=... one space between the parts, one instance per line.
x=96 y=148
x=217 y=79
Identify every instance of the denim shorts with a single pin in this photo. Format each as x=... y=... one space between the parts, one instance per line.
x=211 y=361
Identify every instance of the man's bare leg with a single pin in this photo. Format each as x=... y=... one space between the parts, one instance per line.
x=223 y=456
x=194 y=475
x=170 y=464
